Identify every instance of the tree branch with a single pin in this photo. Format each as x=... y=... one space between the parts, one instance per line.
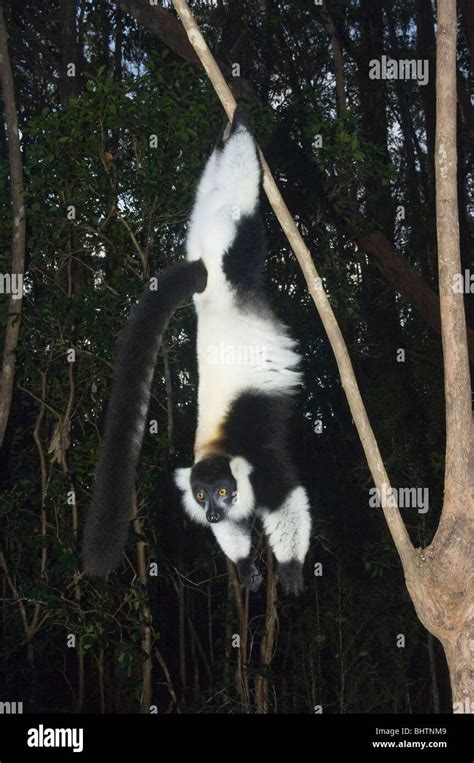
x=405 y=279
x=164 y=24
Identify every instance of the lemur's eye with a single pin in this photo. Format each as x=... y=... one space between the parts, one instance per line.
x=223 y=491
x=200 y=495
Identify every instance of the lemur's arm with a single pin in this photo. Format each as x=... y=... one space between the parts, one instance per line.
x=107 y=523
x=235 y=541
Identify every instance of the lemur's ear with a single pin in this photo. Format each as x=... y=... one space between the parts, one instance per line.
x=240 y=467
x=244 y=500
x=182 y=478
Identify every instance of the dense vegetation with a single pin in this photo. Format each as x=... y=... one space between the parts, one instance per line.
x=111 y=157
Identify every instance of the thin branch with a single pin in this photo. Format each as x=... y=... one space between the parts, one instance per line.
x=3 y=566
x=169 y=682
x=138 y=249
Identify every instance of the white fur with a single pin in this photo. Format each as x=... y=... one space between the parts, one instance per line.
x=288 y=528
x=234 y=539
x=191 y=506
x=229 y=183
x=244 y=500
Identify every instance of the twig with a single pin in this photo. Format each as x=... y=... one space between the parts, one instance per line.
x=168 y=680
x=139 y=250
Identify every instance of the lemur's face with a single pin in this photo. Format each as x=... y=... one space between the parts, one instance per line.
x=213 y=486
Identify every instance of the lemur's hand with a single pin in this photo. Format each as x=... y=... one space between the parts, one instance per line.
x=249 y=576
x=240 y=118
x=291 y=577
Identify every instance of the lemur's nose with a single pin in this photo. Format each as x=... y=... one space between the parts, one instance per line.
x=212 y=517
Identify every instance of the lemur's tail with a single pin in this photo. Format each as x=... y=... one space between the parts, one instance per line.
x=107 y=523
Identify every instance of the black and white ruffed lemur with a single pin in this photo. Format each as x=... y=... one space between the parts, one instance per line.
x=248 y=376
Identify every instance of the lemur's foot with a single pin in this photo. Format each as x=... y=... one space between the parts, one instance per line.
x=291 y=577
x=240 y=119
x=248 y=574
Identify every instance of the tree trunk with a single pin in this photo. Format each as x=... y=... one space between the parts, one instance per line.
x=70 y=82
x=442 y=592
x=19 y=229
x=443 y=588
x=337 y=54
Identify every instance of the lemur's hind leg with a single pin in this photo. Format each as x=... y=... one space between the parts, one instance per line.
x=288 y=529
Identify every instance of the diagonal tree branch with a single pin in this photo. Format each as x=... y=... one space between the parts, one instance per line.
x=18 y=243
x=162 y=23
x=315 y=287
x=406 y=280
x=167 y=27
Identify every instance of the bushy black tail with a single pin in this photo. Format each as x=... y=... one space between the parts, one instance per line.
x=107 y=523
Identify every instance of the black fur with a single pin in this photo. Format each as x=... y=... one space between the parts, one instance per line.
x=291 y=576
x=210 y=470
x=257 y=428
x=209 y=476
x=241 y=118
x=107 y=523
x=244 y=262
